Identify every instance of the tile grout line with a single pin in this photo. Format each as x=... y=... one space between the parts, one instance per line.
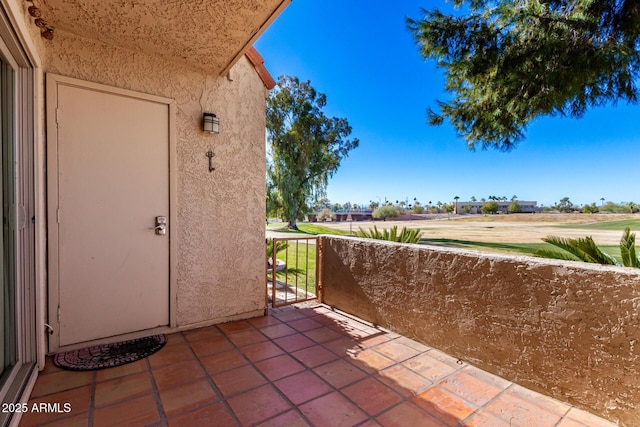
x=372 y=376
x=156 y=394
x=275 y=387
x=344 y=334
x=210 y=381
x=309 y=369
x=482 y=409
x=92 y=401
x=280 y=393
x=343 y=329
x=565 y=416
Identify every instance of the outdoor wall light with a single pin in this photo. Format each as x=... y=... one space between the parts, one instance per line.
x=210 y=123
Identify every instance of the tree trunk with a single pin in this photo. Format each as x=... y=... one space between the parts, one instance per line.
x=293 y=221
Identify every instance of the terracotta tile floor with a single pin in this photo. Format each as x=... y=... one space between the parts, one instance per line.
x=297 y=367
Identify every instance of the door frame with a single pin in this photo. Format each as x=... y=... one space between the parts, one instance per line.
x=52 y=83
x=25 y=211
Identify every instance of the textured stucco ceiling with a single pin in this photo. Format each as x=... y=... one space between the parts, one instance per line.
x=208 y=34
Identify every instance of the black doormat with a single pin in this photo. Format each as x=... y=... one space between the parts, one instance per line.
x=109 y=355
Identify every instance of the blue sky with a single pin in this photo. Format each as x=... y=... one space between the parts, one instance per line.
x=360 y=54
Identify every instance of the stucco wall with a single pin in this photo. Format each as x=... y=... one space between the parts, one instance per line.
x=567 y=329
x=220 y=224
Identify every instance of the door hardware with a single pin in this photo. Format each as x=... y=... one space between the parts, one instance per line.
x=161 y=225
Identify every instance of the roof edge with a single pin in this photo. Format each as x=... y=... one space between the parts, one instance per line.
x=258 y=63
x=257 y=33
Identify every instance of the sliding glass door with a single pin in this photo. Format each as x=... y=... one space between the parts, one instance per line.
x=7 y=238
x=17 y=240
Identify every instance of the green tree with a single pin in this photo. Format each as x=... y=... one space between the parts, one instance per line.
x=322 y=203
x=418 y=208
x=274 y=202
x=306 y=146
x=509 y=62
x=613 y=208
x=565 y=205
x=490 y=207
x=514 y=207
x=592 y=208
x=325 y=215
x=385 y=212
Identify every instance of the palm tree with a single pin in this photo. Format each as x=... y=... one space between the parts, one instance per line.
x=601 y=201
x=455 y=210
x=405 y=236
x=585 y=249
x=628 y=249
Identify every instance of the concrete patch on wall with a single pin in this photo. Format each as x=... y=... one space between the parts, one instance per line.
x=566 y=329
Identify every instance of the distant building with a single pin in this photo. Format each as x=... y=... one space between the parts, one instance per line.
x=476 y=207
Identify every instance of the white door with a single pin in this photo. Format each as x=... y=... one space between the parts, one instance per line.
x=112 y=160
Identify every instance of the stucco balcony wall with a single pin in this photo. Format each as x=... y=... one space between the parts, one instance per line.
x=566 y=329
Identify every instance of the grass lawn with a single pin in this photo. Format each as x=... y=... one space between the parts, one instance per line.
x=512 y=248
x=608 y=225
x=301 y=267
x=306 y=228
x=516 y=248
x=316 y=229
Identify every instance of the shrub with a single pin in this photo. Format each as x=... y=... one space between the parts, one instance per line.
x=281 y=245
x=490 y=207
x=622 y=207
x=514 y=207
x=406 y=235
x=418 y=209
x=325 y=215
x=386 y=212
